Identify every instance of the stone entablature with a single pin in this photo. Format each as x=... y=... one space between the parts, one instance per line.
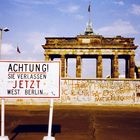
x=88 y=52
x=90 y=41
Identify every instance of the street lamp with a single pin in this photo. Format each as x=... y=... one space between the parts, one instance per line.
x=1 y=31
x=2 y=137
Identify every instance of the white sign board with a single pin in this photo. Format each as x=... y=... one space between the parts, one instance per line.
x=25 y=79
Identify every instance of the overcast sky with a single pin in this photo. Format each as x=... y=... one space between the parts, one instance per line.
x=30 y=21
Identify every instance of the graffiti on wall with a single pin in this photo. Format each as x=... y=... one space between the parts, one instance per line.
x=93 y=91
x=100 y=91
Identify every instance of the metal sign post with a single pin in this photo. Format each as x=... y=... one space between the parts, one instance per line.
x=49 y=137
x=3 y=137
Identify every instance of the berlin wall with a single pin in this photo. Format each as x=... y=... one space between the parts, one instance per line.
x=93 y=92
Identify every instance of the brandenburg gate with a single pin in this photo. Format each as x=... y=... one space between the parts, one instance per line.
x=98 y=90
x=94 y=47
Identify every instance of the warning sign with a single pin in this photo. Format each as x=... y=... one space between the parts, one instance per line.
x=29 y=79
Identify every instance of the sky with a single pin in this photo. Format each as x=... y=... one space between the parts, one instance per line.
x=30 y=21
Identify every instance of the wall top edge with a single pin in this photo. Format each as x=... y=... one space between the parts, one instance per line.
x=104 y=79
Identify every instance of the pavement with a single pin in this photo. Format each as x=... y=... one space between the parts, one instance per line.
x=73 y=122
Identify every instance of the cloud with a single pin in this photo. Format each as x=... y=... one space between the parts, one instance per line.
x=119 y=27
x=72 y=9
x=135 y=9
x=121 y=3
x=69 y=9
x=35 y=40
x=31 y=49
x=9 y=52
x=8 y=49
x=79 y=17
x=35 y=2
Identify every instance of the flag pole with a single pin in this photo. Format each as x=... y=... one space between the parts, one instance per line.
x=89 y=29
x=89 y=10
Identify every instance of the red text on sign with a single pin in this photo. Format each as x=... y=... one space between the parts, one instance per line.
x=26 y=84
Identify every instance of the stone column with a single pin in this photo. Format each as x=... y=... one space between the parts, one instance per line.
x=78 y=66
x=114 y=67
x=112 y=64
x=66 y=67
x=138 y=72
x=99 y=67
x=62 y=65
x=132 y=66
x=127 y=68
x=47 y=58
